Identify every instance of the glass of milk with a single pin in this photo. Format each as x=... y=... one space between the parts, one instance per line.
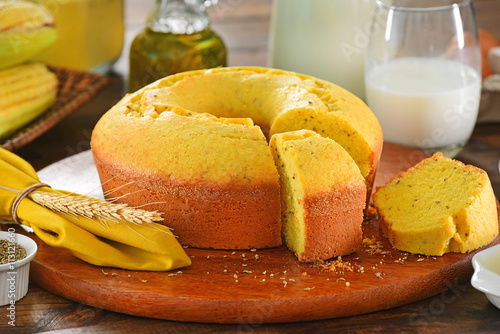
x=423 y=73
x=323 y=38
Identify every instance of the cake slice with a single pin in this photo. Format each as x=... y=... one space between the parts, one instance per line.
x=322 y=195
x=438 y=206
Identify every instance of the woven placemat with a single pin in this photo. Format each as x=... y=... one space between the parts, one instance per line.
x=75 y=89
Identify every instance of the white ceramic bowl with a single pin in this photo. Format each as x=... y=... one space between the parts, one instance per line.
x=486 y=276
x=14 y=277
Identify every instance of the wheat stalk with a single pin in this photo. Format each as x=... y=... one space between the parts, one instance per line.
x=92 y=208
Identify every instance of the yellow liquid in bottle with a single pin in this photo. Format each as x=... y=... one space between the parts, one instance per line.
x=156 y=55
x=90 y=33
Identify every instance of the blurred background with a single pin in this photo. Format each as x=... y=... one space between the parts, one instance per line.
x=244 y=26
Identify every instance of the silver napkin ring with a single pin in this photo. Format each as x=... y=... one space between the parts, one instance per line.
x=21 y=196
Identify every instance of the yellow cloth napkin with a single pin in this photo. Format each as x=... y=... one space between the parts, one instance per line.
x=146 y=246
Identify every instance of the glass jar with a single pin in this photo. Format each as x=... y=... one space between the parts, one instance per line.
x=90 y=34
x=177 y=38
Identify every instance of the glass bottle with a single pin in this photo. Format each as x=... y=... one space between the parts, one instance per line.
x=177 y=38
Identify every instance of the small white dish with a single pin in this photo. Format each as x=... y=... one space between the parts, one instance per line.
x=486 y=276
x=14 y=277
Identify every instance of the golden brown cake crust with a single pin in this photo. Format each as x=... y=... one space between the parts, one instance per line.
x=191 y=210
x=333 y=223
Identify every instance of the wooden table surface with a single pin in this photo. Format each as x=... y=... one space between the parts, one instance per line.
x=244 y=25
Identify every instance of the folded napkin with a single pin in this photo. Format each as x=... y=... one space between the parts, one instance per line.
x=114 y=242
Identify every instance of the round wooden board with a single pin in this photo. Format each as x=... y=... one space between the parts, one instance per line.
x=265 y=285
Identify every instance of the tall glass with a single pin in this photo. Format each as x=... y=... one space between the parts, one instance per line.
x=323 y=38
x=423 y=73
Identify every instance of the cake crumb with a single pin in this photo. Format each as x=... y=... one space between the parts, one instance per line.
x=373 y=246
x=332 y=266
x=253 y=250
x=368 y=241
x=304 y=274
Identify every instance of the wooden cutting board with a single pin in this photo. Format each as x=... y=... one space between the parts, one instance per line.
x=265 y=285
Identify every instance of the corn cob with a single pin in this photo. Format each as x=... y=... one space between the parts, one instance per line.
x=23 y=15
x=26 y=29
x=25 y=92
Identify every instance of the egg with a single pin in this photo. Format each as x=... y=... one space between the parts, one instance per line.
x=494 y=59
x=487 y=41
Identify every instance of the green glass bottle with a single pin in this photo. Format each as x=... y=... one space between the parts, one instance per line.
x=177 y=38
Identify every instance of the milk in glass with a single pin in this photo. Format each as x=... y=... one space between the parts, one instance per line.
x=323 y=38
x=424 y=102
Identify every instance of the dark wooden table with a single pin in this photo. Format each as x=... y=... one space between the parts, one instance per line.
x=244 y=25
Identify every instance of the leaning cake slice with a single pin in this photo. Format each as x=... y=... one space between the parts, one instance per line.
x=438 y=206
x=322 y=195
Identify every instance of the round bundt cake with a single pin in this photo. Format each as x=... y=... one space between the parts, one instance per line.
x=193 y=146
